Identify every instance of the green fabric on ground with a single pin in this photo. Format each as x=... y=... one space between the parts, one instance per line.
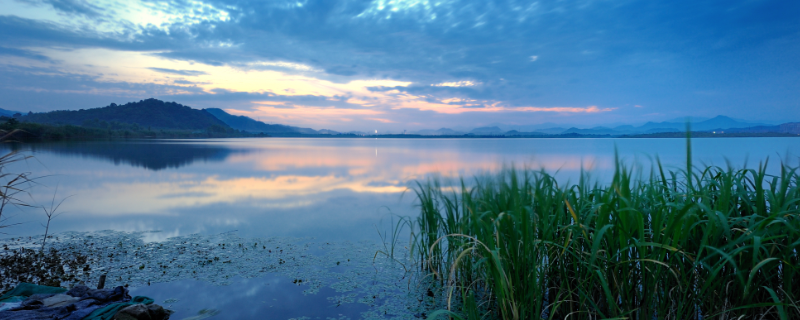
x=108 y=312
x=14 y=299
x=28 y=289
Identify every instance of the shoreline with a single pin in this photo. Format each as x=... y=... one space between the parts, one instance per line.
x=671 y=135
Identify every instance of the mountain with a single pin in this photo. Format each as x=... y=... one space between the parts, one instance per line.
x=515 y=133
x=718 y=122
x=683 y=119
x=662 y=130
x=789 y=127
x=248 y=124
x=754 y=129
x=440 y=132
x=595 y=130
x=531 y=127
x=722 y=122
x=556 y=130
x=8 y=113
x=487 y=131
x=672 y=125
x=152 y=113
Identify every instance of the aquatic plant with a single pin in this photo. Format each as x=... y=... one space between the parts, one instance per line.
x=696 y=243
x=12 y=184
x=50 y=268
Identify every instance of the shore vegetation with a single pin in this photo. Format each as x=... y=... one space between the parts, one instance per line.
x=695 y=243
x=30 y=131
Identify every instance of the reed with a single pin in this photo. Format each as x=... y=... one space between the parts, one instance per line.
x=697 y=243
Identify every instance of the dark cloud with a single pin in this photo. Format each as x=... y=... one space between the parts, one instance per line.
x=22 y=53
x=226 y=96
x=182 y=81
x=44 y=89
x=76 y=7
x=605 y=53
x=179 y=72
x=342 y=70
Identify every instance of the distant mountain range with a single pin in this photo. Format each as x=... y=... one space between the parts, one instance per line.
x=157 y=114
x=718 y=123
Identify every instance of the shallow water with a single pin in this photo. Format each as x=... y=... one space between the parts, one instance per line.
x=296 y=192
x=243 y=278
x=272 y=296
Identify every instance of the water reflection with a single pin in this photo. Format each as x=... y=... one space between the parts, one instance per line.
x=334 y=188
x=152 y=155
x=269 y=297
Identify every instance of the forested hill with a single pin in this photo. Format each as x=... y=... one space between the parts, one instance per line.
x=247 y=124
x=150 y=113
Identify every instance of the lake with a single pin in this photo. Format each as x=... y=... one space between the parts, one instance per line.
x=322 y=189
x=326 y=188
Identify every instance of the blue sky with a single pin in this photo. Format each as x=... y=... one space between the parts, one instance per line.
x=407 y=64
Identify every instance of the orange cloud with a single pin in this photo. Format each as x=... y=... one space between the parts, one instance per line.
x=381 y=120
x=376 y=105
x=590 y=109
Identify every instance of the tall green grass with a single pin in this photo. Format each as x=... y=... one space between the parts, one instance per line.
x=699 y=243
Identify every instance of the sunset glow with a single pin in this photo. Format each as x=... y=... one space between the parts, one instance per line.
x=442 y=67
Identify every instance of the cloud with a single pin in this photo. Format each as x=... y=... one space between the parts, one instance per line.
x=76 y=7
x=184 y=81
x=342 y=70
x=179 y=72
x=590 y=109
x=23 y=54
x=652 y=51
x=456 y=84
x=381 y=120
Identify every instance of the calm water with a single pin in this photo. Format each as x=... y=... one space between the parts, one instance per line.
x=325 y=188
x=328 y=189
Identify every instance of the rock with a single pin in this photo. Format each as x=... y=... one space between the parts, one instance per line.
x=134 y=312
x=143 y=312
x=158 y=312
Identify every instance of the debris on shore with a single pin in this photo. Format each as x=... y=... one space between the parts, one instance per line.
x=30 y=301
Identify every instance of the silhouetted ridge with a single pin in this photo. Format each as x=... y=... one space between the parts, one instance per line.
x=248 y=124
x=152 y=113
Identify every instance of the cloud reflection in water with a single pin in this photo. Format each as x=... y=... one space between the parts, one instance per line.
x=308 y=187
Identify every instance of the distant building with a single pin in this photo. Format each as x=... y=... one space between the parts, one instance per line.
x=791 y=127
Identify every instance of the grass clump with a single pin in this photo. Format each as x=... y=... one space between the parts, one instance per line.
x=713 y=243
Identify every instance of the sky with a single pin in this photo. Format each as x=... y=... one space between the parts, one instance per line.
x=393 y=65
